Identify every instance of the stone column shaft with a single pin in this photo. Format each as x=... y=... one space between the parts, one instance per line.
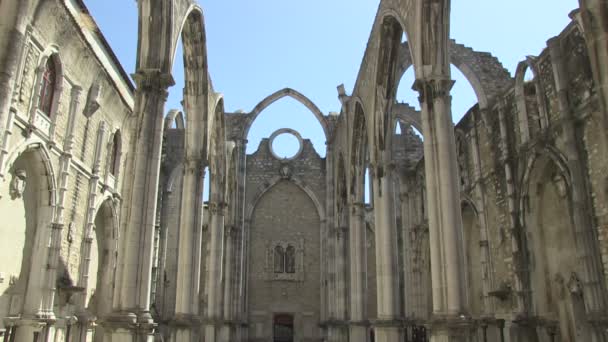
x=91 y=214
x=386 y=329
x=357 y=252
x=228 y=269
x=134 y=270
x=188 y=258
x=214 y=270
x=593 y=17
x=445 y=219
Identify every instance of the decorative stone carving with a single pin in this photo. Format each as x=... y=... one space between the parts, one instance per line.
x=560 y=185
x=92 y=104
x=285 y=171
x=574 y=285
x=18 y=183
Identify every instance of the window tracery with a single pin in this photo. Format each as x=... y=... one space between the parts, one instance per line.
x=285 y=260
x=47 y=88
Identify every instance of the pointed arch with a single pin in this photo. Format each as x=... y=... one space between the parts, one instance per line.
x=115 y=153
x=276 y=180
x=520 y=97
x=194 y=42
x=484 y=72
x=176 y=117
x=216 y=153
x=358 y=153
x=286 y=92
x=48 y=87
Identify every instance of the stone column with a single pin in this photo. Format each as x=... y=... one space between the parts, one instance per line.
x=186 y=318
x=406 y=224
x=229 y=233
x=387 y=327
x=588 y=254
x=337 y=326
x=241 y=257
x=593 y=17
x=213 y=319
x=357 y=258
x=131 y=319
x=444 y=213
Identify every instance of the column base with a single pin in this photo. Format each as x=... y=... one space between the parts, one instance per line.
x=185 y=328
x=388 y=330
x=452 y=329
x=358 y=332
x=128 y=327
x=337 y=331
x=212 y=330
x=28 y=330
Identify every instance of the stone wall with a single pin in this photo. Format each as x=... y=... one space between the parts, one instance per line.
x=68 y=198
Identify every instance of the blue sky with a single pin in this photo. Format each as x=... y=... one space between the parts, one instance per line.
x=258 y=47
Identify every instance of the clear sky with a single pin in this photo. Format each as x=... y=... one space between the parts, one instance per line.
x=258 y=47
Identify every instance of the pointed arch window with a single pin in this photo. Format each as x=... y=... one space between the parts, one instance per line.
x=115 y=157
x=279 y=259
x=290 y=259
x=47 y=87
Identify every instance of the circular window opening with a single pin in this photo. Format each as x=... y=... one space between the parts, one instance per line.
x=285 y=144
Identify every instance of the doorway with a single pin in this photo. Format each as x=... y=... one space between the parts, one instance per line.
x=283 y=328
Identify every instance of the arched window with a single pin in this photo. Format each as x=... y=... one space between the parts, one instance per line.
x=279 y=259
x=290 y=259
x=115 y=157
x=47 y=87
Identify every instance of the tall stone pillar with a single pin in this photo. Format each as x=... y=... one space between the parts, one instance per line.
x=131 y=319
x=213 y=319
x=593 y=16
x=387 y=326
x=337 y=329
x=444 y=213
x=187 y=320
x=357 y=258
x=229 y=232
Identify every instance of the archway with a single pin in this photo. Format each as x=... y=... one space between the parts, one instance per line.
x=27 y=208
x=472 y=249
x=98 y=295
x=286 y=108
x=284 y=215
x=550 y=235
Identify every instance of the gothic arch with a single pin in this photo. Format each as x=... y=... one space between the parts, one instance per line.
x=250 y=209
x=53 y=57
x=406 y=114
x=552 y=154
x=520 y=97
x=485 y=73
x=216 y=153
x=105 y=242
x=286 y=92
x=174 y=116
x=29 y=203
x=358 y=153
x=38 y=147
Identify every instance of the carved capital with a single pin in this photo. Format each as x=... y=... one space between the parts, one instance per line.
x=431 y=89
x=357 y=208
x=218 y=208
x=153 y=80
